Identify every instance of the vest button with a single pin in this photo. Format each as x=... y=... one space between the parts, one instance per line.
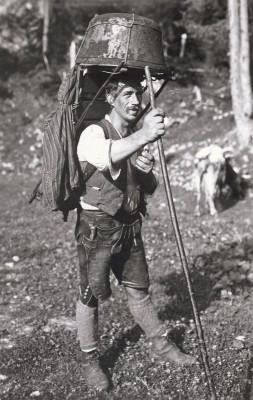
x=121 y=195
x=119 y=204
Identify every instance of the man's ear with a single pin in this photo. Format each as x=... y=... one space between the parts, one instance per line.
x=110 y=99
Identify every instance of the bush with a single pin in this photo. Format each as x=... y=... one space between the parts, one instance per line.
x=205 y=12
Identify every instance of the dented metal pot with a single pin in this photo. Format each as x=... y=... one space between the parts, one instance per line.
x=112 y=38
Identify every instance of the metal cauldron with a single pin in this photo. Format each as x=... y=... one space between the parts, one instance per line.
x=113 y=38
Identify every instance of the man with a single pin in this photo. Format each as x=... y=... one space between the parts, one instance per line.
x=108 y=229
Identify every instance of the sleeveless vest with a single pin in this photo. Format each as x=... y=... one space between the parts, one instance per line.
x=101 y=190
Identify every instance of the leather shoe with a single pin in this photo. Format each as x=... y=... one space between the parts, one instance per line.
x=93 y=374
x=164 y=350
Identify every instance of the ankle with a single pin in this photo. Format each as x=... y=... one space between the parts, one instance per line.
x=89 y=355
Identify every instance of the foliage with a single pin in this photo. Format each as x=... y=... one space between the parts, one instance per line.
x=21 y=30
x=163 y=11
x=205 y=12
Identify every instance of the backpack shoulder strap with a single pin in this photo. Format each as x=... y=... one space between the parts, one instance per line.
x=87 y=170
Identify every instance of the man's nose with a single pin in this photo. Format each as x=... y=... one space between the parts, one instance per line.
x=135 y=99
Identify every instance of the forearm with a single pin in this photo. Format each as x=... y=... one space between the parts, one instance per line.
x=125 y=147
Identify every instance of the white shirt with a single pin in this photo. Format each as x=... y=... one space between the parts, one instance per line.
x=96 y=149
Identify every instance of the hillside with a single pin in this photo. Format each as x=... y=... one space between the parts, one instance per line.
x=39 y=275
x=39 y=282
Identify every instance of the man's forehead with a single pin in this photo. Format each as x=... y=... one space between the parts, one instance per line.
x=129 y=83
x=123 y=83
x=129 y=86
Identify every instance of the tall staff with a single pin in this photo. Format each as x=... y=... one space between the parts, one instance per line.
x=199 y=329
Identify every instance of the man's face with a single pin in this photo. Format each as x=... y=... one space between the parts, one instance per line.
x=128 y=102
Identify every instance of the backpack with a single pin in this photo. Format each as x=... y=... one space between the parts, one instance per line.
x=63 y=177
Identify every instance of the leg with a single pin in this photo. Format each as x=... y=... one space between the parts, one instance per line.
x=143 y=312
x=86 y=308
x=197 y=185
x=135 y=278
x=199 y=175
x=87 y=324
x=87 y=328
x=94 y=256
x=145 y=315
x=209 y=185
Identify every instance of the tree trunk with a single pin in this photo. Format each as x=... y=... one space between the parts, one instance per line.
x=245 y=59
x=235 y=75
x=72 y=53
x=46 y=4
x=244 y=124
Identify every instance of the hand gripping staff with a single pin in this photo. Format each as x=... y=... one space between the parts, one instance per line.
x=198 y=326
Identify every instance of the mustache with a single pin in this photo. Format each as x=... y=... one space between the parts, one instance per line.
x=133 y=108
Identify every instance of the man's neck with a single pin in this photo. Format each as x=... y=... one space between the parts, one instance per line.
x=120 y=124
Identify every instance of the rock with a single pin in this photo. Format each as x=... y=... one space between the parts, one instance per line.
x=248 y=241
x=200 y=262
x=226 y=294
x=64 y=322
x=239 y=252
x=245 y=158
x=36 y=162
x=9 y=264
x=250 y=277
x=245 y=266
x=228 y=265
x=35 y=394
x=8 y=165
x=238 y=277
x=239 y=342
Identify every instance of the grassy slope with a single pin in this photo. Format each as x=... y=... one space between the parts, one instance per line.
x=40 y=354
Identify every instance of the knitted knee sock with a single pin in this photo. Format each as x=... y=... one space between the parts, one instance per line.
x=145 y=315
x=87 y=326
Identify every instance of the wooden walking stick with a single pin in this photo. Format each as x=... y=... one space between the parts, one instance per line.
x=198 y=326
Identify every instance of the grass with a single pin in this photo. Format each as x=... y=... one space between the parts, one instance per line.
x=39 y=287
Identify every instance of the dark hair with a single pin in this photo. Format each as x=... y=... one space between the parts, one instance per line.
x=128 y=80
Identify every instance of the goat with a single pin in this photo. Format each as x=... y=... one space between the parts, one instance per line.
x=216 y=177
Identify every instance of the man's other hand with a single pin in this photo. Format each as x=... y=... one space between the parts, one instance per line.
x=145 y=161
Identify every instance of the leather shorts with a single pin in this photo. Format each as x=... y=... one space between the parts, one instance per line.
x=106 y=244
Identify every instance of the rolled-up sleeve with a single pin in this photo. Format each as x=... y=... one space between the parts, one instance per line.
x=96 y=149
